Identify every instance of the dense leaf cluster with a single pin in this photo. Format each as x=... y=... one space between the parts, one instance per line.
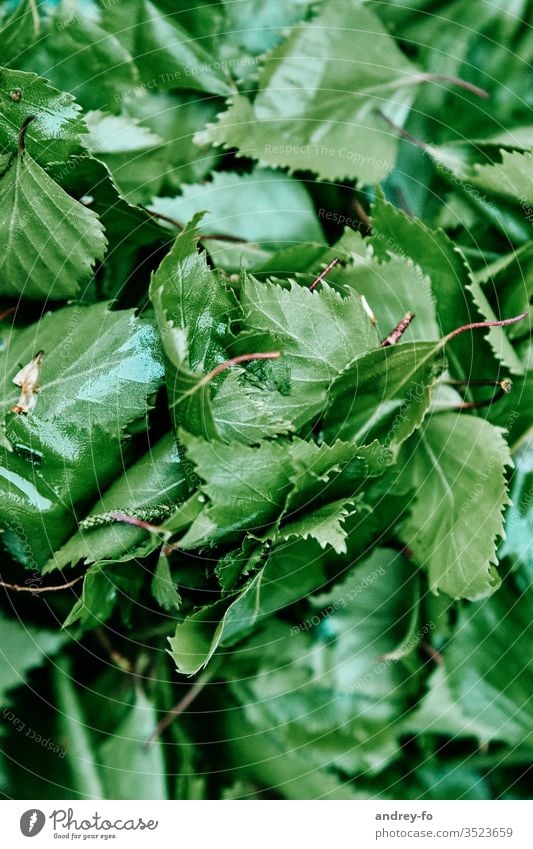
x=225 y=462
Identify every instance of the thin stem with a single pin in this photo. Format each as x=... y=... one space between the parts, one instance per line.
x=180 y=226
x=133 y=520
x=444 y=78
x=7 y=312
x=403 y=133
x=505 y=388
x=20 y=589
x=189 y=697
x=357 y=205
x=22 y=133
x=322 y=274
x=504 y=322
x=398 y=331
x=117 y=658
x=242 y=358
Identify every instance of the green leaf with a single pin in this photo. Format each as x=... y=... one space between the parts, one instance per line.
x=58 y=129
x=456 y=466
x=325 y=686
x=148 y=490
x=104 y=585
x=165 y=53
x=77 y=54
x=192 y=307
x=23 y=648
x=250 y=489
x=75 y=731
x=487 y=662
x=163 y=586
x=50 y=242
x=18 y=30
x=318 y=334
x=290 y=573
x=129 y=769
x=176 y=117
x=459 y=298
x=320 y=92
x=519 y=516
x=98 y=372
x=392 y=289
x=247 y=488
x=384 y=394
x=265 y=207
x=511 y=178
x=134 y=155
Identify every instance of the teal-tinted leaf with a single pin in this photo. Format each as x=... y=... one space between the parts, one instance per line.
x=265 y=207
x=58 y=129
x=49 y=241
x=456 y=467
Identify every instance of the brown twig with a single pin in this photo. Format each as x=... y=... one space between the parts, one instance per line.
x=221 y=237
x=445 y=78
x=505 y=387
x=403 y=133
x=183 y=703
x=357 y=205
x=7 y=312
x=20 y=589
x=398 y=331
x=117 y=658
x=432 y=653
x=323 y=273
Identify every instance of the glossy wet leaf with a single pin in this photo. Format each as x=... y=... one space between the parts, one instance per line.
x=58 y=129
x=50 y=242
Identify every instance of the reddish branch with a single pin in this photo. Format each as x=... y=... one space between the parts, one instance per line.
x=398 y=331
x=504 y=322
x=322 y=274
x=242 y=358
